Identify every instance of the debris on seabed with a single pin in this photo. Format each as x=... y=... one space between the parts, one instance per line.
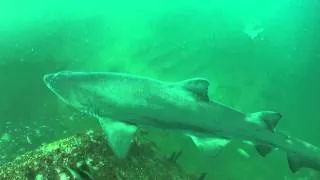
x=29 y=140
x=175 y=156
x=87 y=156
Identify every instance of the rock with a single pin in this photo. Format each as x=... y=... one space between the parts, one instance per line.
x=89 y=157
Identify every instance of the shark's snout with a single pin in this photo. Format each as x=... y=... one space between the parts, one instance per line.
x=49 y=80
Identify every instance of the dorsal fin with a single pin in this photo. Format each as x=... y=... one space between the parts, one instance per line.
x=271 y=119
x=198 y=87
x=268 y=119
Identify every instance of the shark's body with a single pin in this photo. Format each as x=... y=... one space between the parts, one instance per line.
x=123 y=102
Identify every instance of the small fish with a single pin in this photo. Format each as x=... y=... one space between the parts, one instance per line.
x=253 y=30
x=29 y=140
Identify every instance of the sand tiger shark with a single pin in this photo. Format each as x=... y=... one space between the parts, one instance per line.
x=123 y=102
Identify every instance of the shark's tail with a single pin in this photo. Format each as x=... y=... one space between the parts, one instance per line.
x=307 y=156
x=296 y=159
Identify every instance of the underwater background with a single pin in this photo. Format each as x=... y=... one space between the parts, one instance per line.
x=257 y=55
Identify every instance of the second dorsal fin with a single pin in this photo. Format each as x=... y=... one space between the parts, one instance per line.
x=267 y=119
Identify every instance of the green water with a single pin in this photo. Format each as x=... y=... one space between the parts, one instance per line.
x=257 y=56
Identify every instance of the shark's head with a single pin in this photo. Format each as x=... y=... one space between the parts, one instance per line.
x=66 y=86
x=60 y=83
x=84 y=91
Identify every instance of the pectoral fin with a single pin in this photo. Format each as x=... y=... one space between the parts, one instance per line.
x=119 y=135
x=210 y=146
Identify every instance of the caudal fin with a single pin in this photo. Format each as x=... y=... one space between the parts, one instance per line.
x=296 y=159
x=296 y=163
x=311 y=160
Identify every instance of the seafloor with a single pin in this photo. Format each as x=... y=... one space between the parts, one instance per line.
x=87 y=156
